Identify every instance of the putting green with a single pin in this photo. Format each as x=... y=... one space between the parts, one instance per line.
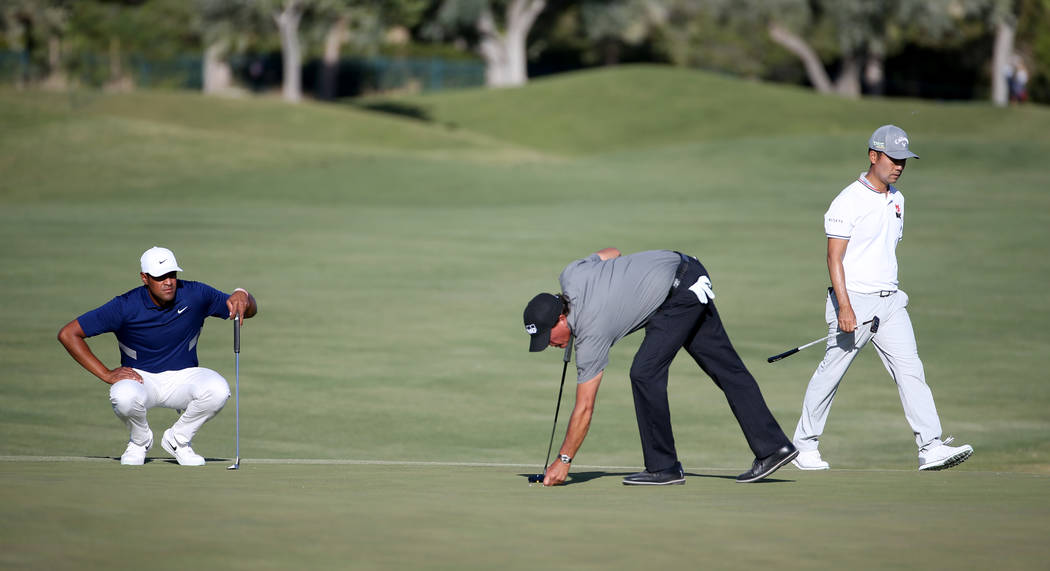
x=87 y=515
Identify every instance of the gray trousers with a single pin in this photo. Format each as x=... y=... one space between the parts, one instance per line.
x=895 y=344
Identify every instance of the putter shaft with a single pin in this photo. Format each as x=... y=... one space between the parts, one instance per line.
x=237 y=391
x=874 y=321
x=557 y=409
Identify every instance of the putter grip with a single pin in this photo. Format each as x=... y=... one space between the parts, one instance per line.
x=782 y=355
x=236 y=335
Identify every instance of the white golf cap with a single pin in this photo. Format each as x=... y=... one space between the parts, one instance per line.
x=158 y=261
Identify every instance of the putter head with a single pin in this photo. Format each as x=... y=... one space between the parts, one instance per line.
x=875 y=324
x=534 y=478
x=236 y=464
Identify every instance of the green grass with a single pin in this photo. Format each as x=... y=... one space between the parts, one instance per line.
x=392 y=257
x=270 y=516
x=647 y=106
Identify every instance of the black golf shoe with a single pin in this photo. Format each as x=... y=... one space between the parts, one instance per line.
x=765 y=466
x=672 y=475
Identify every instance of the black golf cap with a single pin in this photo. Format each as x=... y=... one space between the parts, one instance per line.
x=541 y=315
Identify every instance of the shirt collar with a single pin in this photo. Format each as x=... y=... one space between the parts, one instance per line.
x=863 y=180
x=147 y=301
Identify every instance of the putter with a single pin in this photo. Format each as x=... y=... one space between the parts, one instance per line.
x=534 y=478
x=874 y=321
x=237 y=391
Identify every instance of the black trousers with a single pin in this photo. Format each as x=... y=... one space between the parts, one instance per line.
x=682 y=321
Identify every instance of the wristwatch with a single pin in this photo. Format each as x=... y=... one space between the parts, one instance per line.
x=565 y=458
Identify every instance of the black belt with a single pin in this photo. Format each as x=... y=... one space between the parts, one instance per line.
x=683 y=267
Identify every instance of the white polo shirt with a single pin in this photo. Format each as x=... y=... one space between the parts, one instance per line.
x=873 y=222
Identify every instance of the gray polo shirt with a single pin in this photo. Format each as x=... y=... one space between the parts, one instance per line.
x=609 y=299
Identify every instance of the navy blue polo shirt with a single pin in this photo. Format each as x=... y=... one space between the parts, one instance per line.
x=153 y=338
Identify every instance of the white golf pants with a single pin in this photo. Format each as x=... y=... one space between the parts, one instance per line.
x=200 y=392
x=895 y=344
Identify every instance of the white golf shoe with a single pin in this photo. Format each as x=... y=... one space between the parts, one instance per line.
x=183 y=453
x=810 y=460
x=941 y=456
x=135 y=455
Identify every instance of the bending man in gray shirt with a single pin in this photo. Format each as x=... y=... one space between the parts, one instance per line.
x=604 y=298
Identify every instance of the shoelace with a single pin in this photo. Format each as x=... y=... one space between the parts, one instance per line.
x=944 y=442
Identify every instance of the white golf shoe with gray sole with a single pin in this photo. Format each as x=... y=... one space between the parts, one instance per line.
x=182 y=452
x=135 y=455
x=810 y=460
x=942 y=456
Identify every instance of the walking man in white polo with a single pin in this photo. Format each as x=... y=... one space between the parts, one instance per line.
x=863 y=225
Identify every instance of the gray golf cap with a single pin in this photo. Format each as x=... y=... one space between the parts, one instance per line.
x=893 y=141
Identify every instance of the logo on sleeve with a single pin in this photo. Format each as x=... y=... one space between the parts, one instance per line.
x=898 y=210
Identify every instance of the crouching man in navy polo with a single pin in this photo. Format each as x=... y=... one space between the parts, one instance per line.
x=157 y=327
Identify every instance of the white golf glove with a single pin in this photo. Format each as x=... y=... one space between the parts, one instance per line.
x=702 y=289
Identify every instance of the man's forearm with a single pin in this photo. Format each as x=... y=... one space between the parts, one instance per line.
x=847 y=320
x=82 y=354
x=71 y=337
x=582 y=411
x=579 y=424
x=837 y=271
x=838 y=284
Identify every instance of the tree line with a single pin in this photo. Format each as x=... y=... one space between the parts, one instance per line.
x=965 y=49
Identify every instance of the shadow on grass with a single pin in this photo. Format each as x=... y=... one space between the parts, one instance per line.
x=766 y=480
x=581 y=477
x=400 y=109
x=162 y=460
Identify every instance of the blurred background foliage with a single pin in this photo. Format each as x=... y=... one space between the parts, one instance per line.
x=937 y=49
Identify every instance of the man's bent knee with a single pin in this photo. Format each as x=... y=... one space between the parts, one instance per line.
x=212 y=392
x=127 y=396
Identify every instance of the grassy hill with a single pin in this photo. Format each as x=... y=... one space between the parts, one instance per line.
x=643 y=106
x=392 y=257
x=90 y=144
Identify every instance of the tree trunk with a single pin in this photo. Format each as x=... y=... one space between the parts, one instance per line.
x=491 y=48
x=875 y=68
x=291 y=51
x=56 y=74
x=114 y=60
x=505 y=54
x=1001 y=54
x=218 y=77
x=118 y=80
x=333 y=42
x=848 y=81
x=818 y=76
x=610 y=52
